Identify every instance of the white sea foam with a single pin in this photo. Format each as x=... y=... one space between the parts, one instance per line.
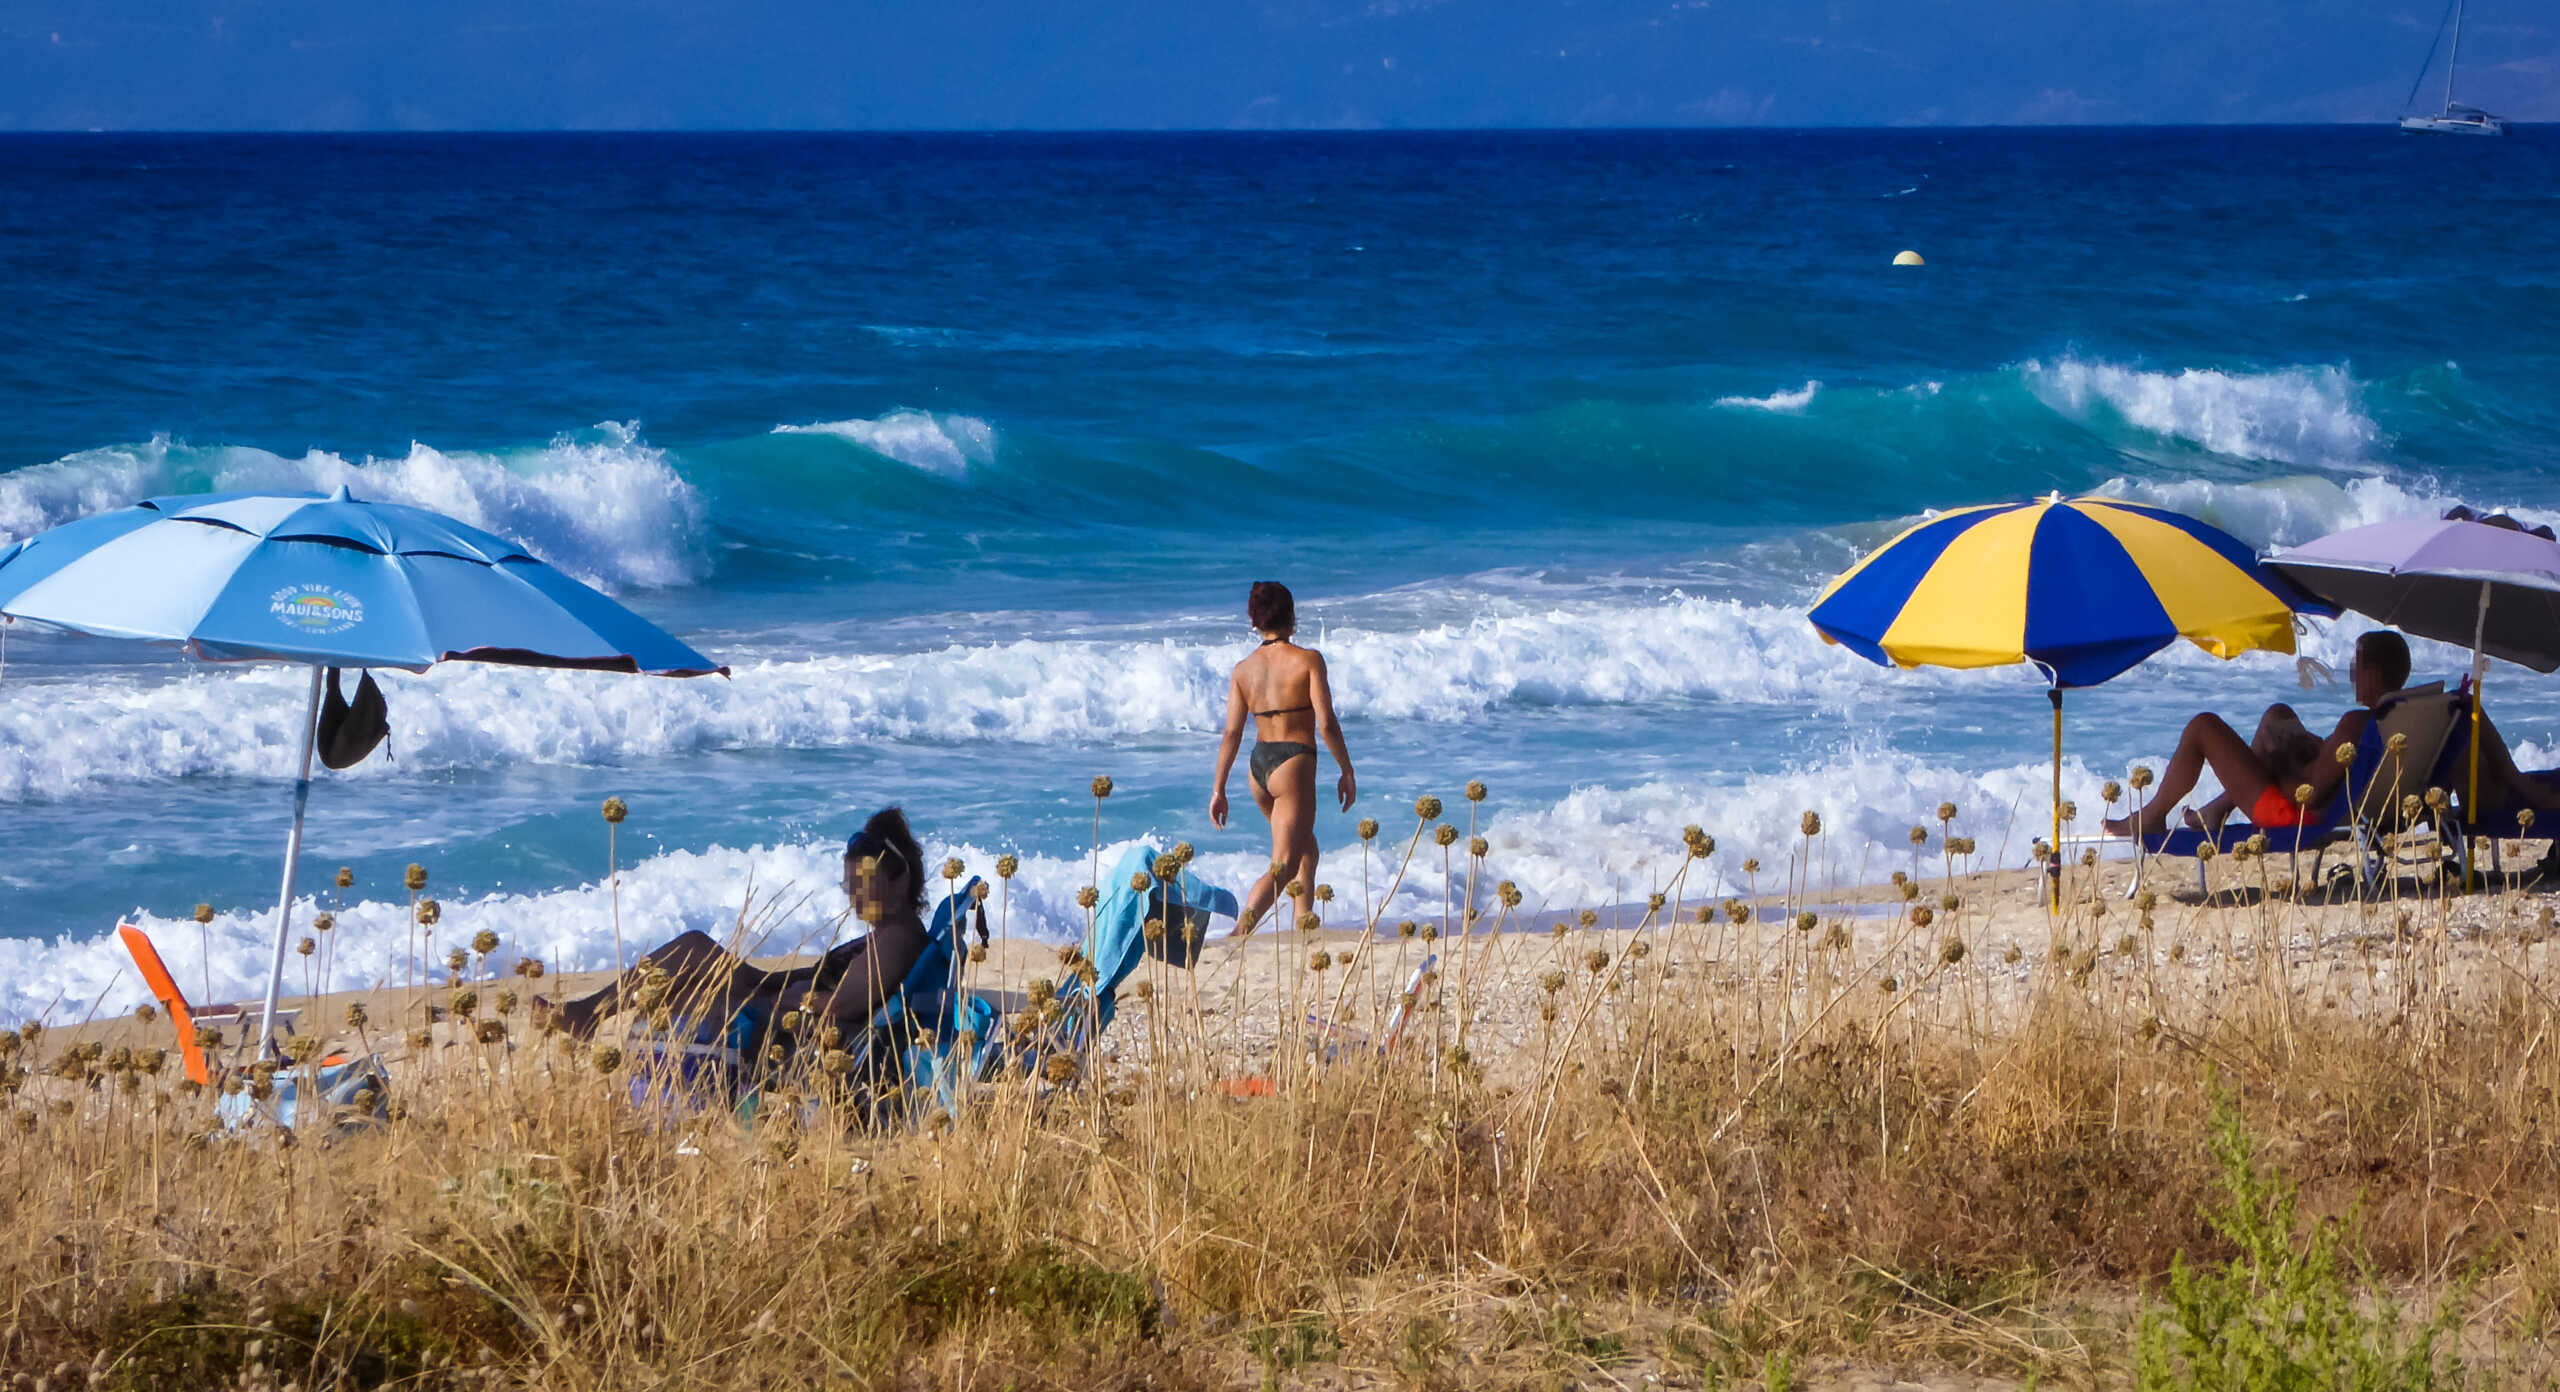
x=947 y=445
x=601 y=504
x=1783 y=402
x=2290 y=511
x=1597 y=846
x=2293 y=415
x=58 y=737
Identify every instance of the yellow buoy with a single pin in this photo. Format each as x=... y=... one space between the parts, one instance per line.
x=1908 y=258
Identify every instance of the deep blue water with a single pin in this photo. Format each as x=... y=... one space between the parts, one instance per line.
x=1555 y=435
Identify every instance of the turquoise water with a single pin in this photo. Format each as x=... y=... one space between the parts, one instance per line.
x=963 y=449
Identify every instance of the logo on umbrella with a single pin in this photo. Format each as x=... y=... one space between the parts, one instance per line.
x=316 y=609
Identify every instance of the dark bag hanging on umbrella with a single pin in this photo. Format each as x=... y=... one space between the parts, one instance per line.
x=350 y=730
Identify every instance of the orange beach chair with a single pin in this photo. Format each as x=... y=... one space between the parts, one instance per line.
x=182 y=1017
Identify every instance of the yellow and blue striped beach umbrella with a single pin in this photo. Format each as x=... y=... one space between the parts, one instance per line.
x=2082 y=589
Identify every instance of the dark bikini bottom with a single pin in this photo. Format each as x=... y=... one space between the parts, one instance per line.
x=1269 y=755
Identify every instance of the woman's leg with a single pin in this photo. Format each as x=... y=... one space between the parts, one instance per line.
x=2208 y=742
x=695 y=967
x=2498 y=771
x=1264 y=889
x=2210 y=817
x=1293 y=827
x=2278 y=729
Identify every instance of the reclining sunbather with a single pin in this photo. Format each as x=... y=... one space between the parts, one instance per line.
x=883 y=877
x=2381 y=666
x=2288 y=749
x=2263 y=774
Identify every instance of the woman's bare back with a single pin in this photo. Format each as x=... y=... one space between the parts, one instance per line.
x=1278 y=682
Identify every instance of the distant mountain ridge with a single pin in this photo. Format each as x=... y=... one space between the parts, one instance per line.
x=1276 y=64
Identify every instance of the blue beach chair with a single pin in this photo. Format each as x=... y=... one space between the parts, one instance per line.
x=2494 y=829
x=701 y=1062
x=929 y=1041
x=2493 y=822
x=2369 y=805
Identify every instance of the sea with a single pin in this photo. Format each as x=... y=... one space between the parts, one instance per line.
x=961 y=451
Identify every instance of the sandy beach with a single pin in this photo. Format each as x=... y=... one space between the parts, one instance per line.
x=2157 y=996
x=2349 y=955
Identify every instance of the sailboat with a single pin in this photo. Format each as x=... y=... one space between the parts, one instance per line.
x=2455 y=119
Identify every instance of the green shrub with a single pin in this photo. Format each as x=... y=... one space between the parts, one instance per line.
x=2288 y=1312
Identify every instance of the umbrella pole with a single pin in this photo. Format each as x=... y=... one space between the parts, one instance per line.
x=2479 y=674
x=2054 y=868
x=292 y=861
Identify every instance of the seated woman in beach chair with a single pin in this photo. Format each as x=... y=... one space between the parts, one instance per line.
x=698 y=978
x=2510 y=805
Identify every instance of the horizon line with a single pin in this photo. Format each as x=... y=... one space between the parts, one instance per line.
x=7 y=132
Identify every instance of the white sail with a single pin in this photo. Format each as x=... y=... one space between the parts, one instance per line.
x=2455 y=119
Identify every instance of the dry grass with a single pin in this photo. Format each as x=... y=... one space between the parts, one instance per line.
x=1966 y=1142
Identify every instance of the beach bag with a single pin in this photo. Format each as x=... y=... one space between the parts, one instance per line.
x=350 y=730
x=1175 y=917
x=697 y=1064
x=351 y=1094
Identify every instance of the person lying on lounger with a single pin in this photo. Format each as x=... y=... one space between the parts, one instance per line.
x=2262 y=774
x=2288 y=749
x=2249 y=778
x=884 y=879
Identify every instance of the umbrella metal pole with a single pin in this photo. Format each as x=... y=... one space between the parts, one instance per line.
x=292 y=861
x=2479 y=674
x=2054 y=868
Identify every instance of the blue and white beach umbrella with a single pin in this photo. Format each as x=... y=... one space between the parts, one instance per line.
x=328 y=581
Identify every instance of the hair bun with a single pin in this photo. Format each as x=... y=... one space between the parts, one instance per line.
x=1271 y=608
x=887 y=836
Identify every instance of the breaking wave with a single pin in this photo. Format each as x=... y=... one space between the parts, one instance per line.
x=58 y=737
x=1594 y=848
x=601 y=504
x=2292 y=415
x=945 y=445
x=1781 y=401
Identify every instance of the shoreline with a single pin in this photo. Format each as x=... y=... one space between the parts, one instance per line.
x=2002 y=922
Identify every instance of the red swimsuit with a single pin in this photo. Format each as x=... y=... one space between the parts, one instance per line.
x=2275 y=808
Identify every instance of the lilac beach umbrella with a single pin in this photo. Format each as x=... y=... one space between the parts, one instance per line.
x=2486 y=583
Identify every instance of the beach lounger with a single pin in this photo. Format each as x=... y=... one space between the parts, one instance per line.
x=352 y=1092
x=2493 y=822
x=338 y=1080
x=2367 y=807
x=1339 y=1037
x=183 y=1017
x=1340 y=1040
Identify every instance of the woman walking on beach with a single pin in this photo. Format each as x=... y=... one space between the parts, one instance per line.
x=1283 y=687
